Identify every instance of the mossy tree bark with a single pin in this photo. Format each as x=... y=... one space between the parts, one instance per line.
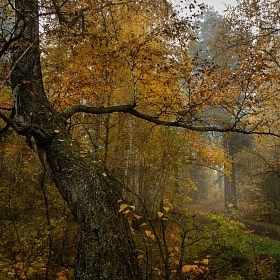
x=105 y=248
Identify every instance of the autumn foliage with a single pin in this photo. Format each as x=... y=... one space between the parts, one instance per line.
x=170 y=136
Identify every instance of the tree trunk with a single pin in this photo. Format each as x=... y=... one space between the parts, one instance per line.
x=227 y=193
x=232 y=151
x=227 y=196
x=230 y=191
x=105 y=248
x=233 y=189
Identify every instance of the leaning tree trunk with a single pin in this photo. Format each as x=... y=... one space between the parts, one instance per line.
x=105 y=246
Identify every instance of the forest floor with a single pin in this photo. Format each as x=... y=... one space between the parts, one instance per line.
x=259 y=228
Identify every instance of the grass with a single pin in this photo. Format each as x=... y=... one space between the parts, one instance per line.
x=265 y=245
x=272 y=248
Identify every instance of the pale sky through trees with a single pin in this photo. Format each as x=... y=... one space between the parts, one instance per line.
x=218 y=5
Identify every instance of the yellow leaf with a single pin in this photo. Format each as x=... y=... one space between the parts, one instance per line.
x=132 y=207
x=152 y=236
x=140 y=257
x=144 y=224
x=166 y=209
x=205 y=261
x=56 y=131
x=198 y=271
x=137 y=216
x=126 y=211
x=160 y=214
x=122 y=207
x=149 y=234
x=188 y=268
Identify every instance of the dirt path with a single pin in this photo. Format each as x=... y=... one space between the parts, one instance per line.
x=262 y=230
x=217 y=207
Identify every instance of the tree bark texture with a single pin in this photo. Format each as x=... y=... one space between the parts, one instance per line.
x=105 y=248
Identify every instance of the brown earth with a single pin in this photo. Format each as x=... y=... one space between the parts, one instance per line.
x=262 y=230
x=217 y=207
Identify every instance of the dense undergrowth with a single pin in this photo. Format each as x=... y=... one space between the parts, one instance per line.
x=182 y=244
x=38 y=234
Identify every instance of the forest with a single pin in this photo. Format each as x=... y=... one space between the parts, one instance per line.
x=139 y=140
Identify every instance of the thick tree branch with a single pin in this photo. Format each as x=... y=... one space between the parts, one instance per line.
x=130 y=109
x=26 y=129
x=7 y=126
x=8 y=121
x=4 y=129
x=96 y=110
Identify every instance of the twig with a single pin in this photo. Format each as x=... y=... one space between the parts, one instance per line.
x=13 y=67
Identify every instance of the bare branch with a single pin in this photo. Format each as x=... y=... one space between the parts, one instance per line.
x=13 y=7
x=7 y=126
x=26 y=129
x=180 y=124
x=13 y=67
x=272 y=57
x=8 y=121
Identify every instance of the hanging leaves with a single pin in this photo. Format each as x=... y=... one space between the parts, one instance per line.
x=150 y=234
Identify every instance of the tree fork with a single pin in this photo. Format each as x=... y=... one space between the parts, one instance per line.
x=105 y=248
